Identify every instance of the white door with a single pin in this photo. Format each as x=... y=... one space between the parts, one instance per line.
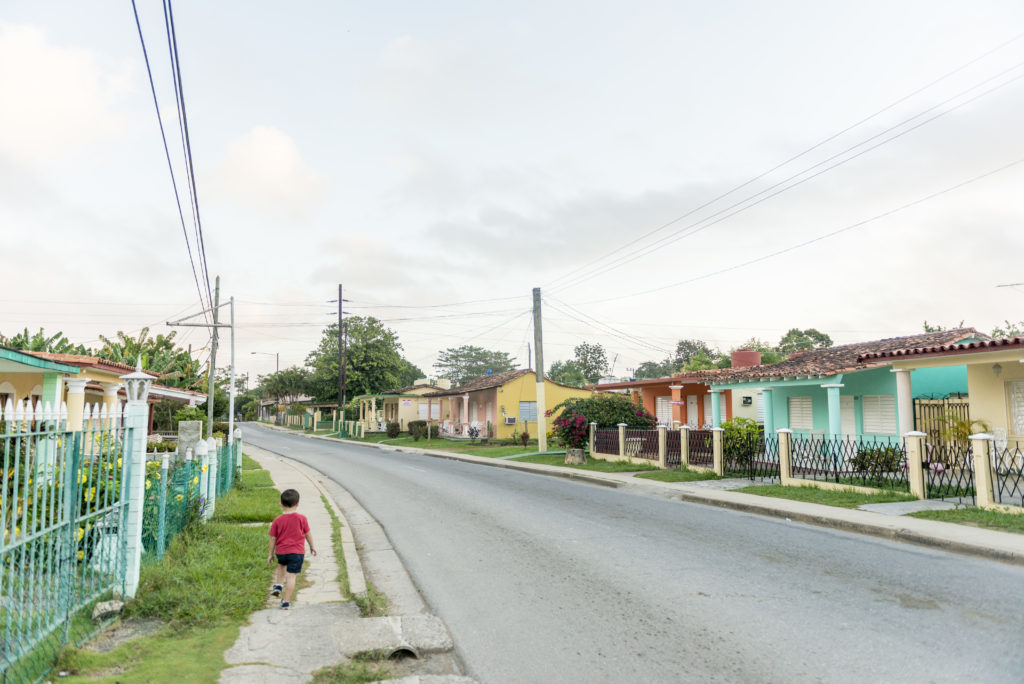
x=663 y=410
x=708 y=418
x=847 y=416
x=691 y=411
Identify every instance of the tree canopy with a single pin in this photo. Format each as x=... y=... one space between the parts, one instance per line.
x=460 y=364
x=567 y=373
x=801 y=340
x=591 y=360
x=607 y=410
x=40 y=341
x=373 y=362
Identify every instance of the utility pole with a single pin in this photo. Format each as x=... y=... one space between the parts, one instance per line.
x=538 y=343
x=341 y=359
x=211 y=383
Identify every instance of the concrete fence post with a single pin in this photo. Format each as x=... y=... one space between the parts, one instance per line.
x=203 y=458
x=213 y=480
x=716 y=446
x=238 y=449
x=593 y=437
x=684 y=446
x=981 y=445
x=915 y=464
x=785 y=456
x=136 y=420
x=662 y=447
x=622 y=440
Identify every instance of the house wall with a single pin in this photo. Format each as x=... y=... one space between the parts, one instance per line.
x=525 y=389
x=938 y=382
x=989 y=395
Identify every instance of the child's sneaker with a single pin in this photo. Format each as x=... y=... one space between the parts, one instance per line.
x=276 y=591
x=285 y=605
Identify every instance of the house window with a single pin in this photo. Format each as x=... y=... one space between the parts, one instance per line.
x=435 y=411
x=528 y=410
x=760 y=408
x=801 y=415
x=1017 y=407
x=421 y=411
x=879 y=414
x=663 y=409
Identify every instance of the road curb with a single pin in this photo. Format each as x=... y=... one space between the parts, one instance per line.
x=897 y=528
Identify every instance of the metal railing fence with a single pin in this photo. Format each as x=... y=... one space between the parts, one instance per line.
x=949 y=471
x=642 y=444
x=606 y=441
x=172 y=502
x=673 y=448
x=865 y=462
x=1008 y=474
x=701 y=448
x=754 y=456
x=63 y=510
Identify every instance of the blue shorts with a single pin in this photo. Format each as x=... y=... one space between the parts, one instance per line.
x=292 y=561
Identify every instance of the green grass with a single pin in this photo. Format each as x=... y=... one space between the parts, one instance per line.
x=249 y=464
x=683 y=475
x=254 y=478
x=595 y=464
x=353 y=672
x=373 y=604
x=249 y=505
x=977 y=517
x=339 y=551
x=845 y=498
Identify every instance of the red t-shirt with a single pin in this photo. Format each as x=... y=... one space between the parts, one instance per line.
x=289 y=531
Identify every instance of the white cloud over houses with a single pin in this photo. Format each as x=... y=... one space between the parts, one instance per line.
x=55 y=99
x=263 y=171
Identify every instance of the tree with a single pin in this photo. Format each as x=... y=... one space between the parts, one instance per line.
x=939 y=328
x=40 y=341
x=287 y=385
x=652 y=369
x=460 y=364
x=769 y=354
x=687 y=349
x=591 y=360
x=607 y=410
x=173 y=365
x=372 y=360
x=409 y=373
x=1011 y=330
x=567 y=373
x=700 y=361
x=801 y=340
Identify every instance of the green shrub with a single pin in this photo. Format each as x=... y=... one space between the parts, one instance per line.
x=524 y=437
x=607 y=410
x=740 y=440
x=417 y=429
x=393 y=430
x=219 y=426
x=877 y=459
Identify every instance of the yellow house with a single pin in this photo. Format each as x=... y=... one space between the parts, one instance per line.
x=497 y=405
x=400 y=405
x=995 y=381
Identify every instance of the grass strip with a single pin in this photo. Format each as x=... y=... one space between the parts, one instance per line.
x=977 y=517
x=844 y=498
x=595 y=464
x=249 y=505
x=373 y=603
x=250 y=464
x=682 y=475
x=254 y=478
x=339 y=550
x=353 y=672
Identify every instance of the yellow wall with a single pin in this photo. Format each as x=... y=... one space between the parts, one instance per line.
x=525 y=389
x=989 y=394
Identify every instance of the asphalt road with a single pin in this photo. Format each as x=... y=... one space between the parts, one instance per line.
x=541 y=579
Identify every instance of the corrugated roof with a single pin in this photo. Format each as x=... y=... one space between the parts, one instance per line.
x=843 y=358
x=966 y=347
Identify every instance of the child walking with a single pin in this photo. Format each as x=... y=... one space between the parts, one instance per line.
x=288 y=536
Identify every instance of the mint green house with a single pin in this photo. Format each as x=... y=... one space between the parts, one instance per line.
x=830 y=392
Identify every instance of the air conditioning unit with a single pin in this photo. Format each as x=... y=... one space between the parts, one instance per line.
x=510 y=420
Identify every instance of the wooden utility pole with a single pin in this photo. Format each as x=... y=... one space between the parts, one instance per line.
x=538 y=343
x=341 y=357
x=212 y=381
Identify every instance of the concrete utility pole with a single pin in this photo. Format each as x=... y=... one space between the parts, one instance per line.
x=538 y=343
x=211 y=383
x=341 y=356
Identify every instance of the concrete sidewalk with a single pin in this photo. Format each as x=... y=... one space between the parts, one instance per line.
x=323 y=627
x=974 y=541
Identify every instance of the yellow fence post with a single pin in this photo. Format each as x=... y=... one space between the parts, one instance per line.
x=622 y=440
x=716 y=446
x=593 y=437
x=915 y=464
x=785 y=456
x=981 y=445
x=684 y=446
x=662 y=447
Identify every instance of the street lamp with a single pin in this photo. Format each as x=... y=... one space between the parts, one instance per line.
x=276 y=355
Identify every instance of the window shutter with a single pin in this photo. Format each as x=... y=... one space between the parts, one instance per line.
x=528 y=410
x=759 y=401
x=422 y=411
x=801 y=414
x=663 y=410
x=879 y=414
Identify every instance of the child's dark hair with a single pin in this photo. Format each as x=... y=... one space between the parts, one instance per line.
x=289 y=498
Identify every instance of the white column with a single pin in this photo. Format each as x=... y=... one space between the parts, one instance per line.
x=211 y=501
x=136 y=420
x=904 y=400
x=203 y=456
x=76 y=402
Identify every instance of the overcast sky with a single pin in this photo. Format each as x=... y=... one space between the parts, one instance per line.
x=427 y=154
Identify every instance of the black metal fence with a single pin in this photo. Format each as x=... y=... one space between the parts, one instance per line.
x=642 y=444
x=673 y=448
x=701 y=448
x=868 y=463
x=949 y=471
x=606 y=441
x=1008 y=474
x=753 y=456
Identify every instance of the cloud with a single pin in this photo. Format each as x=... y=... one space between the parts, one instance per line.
x=263 y=171
x=55 y=99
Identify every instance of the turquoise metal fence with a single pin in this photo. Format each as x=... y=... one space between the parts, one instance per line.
x=172 y=501
x=63 y=510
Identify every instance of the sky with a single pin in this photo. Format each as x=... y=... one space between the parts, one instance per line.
x=661 y=170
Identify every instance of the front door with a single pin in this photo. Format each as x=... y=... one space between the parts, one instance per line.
x=847 y=417
x=692 y=417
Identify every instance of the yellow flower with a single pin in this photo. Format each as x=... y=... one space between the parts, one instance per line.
x=81 y=533
x=179 y=497
x=91 y=493
x=83 y=476
x=205 y=468
x=81 y=555
x=118 y=461
x=195 y=480
x=147 y=484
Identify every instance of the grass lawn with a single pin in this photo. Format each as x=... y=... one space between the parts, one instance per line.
x=254 y=478
x=597 y=464
x=204 y=589
x=491 y=449
x=684 y=475
x=249 y=464
x=845 y=498
x=261 y=504
x=977 y=517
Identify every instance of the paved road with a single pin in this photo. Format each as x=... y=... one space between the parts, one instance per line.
x=546 y=580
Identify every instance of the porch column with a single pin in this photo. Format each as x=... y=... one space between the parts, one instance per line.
x=904 y=401
x=465 y=408
x=835 y=424
x=451 y=411
x=53 y=391
x=373 y=409
x=769 y=410
x=76 y=402
x=677 y=409
x=716 y=408
x=110 y=399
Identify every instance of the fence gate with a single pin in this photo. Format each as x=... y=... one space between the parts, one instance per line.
x=63 y=510
x=931 y=416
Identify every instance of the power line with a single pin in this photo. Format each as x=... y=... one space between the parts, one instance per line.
x=170 y=165
x=721 y=215
x=601 y=326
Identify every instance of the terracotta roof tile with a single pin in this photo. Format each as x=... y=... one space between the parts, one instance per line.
x=966 y=347
x=83 y=361
x=481 y=383
x=843 y=358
